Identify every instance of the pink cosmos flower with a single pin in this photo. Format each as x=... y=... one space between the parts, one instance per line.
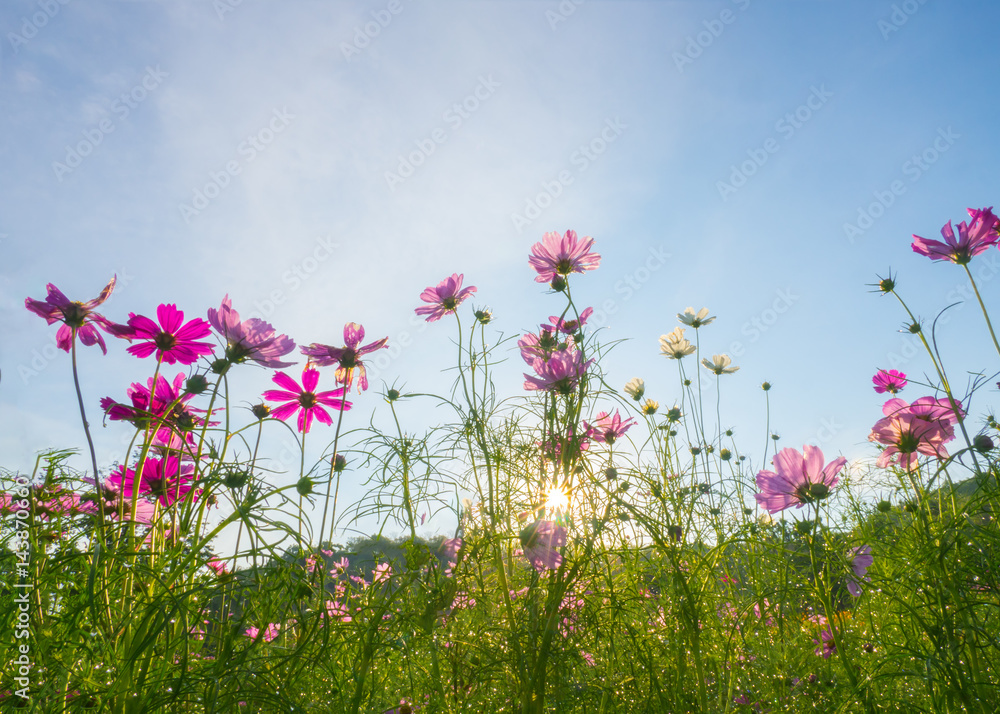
x=163 y=479
x=450 y=547
x=305 y=398
x=77 y=318
x=382 y=573
x=271 y=633
x=540 y=346
x=150 y=403
x=607 y=428
x=562 y=255
x=801 y=478
x=173 y=340
x=827 y=645
x=560 y=373
x=340 y=566
x=570 y=327
x=445 y=298
x=346 y=358
x=541 y=542
x=908 y=430
x=338 y=611
x=860 y=562
x=972 y=240
x=889 y=381
x=218 y=566
x=253 y=339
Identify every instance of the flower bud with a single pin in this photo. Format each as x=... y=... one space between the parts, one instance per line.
x=884 y=506
x=610 y=473
x=196 y=384
x=558 y=283
x=304 y=486
x=339 y=463
x=725 y=454
x=220 y=366
x=260 y=410
x=982 y=443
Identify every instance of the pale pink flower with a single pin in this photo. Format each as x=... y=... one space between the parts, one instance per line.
x=801 y=478
x=382 y=573
x=562 y=255
x=541 y=542
x=608 y=428
x=444 y=298
x=347 y=358
x=860 y=562
x=570 y=327
x=253 y=339
x=560 y=373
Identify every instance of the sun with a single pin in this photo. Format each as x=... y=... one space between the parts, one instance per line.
x=557 y=500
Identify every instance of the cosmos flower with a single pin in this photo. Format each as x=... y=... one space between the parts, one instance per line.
x=889 y=381
x=381 y=574
x=166 y=480
x=346 y=358
x=972 y=240
x=172 y=339
x=801 y=478
x=559 y=373
x=304 y=398
x=692 y=319
x=827 y=645
x=607 y=428
x=270 y=634
x=570 y=327
x=77 y=318
x=635 y=388
x=540 y=346
x=251 y=340
x=559 y=255
x=719 y=365
x=860 y=562
x=906 y=436
x=444 y=298
x=541 y=542
x=674 y=345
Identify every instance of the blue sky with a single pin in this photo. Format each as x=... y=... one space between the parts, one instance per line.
x=324 y=162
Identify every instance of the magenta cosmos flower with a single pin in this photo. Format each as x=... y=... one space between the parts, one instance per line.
x=889 y=381
x=346 y=358
x=800 y=479
x=166 y=480
x=561 y=372
x=541 y=542
x=827 y=644
x=172 y=339
x=607 y=428
x=305 y=398
x=270 y=633
x=77 y=318
x=253 y=339
x=562 y=255
x=540 y=346
x=445 y=298
x=972 y=240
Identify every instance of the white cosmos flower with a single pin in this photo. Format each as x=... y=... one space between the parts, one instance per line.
x=695 y=320
x=719 y=364
x=674 y=345
x=635 y=388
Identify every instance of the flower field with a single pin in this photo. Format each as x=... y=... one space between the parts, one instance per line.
x=609 y=550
